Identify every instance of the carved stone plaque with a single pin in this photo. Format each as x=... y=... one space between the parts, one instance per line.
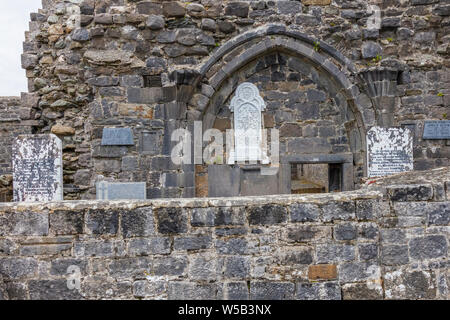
x=37 y=168
x=247 y=106
x=436 y=130
x=389 y=151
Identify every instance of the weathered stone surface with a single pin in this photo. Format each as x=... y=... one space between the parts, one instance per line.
x=138 y=223
x=52 y=290
x=304 y=212
x=24 y=223
x=362 y=291
x=411 y=193
x=318 y=291
x=428 y=247
x=322 y=272
x=271 y=290
x=66 y=222
x=171 y=220
x=99 y=222
x=267 y=215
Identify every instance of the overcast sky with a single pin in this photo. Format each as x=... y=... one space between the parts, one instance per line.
x=14 y=15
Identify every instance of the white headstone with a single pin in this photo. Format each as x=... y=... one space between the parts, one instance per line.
x=247 y=106
x=389 y=151
x=37 y=168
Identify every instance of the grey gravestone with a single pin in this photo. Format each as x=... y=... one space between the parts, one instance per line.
x=436 y=130
x=389 y=151
x=117 y=137
x=121 y=190
x=37 y=168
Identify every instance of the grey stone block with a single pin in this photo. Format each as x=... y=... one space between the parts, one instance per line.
x=203 y=217
x=236 y=267
x=392 y=255
x=52 y=290
x=346 y=231
x=357 y=271
x=13 y=268
x=102 y=222
x=304 y=212
x=330 y=253
x=130 y=267
x=368 y=251
x=24 y=224
x=262 y=290
x=145 y=288
x=267 y=215
x=171 y=220
x=234 y=291
x=428 y=247
x=137 y=223
x=60 y=266
x=192 y=242
x=94 y=248
x=170 y=266
x=318 y=291
x=411 y=193
x=338 y=211
x=148 y=246
x=232 y=246
x=66 y=222
x=203 y=267
x=181 y=290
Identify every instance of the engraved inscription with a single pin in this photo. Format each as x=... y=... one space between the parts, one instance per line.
x=247 y=106
x=436 y=130
x=389 y=151
x=37 y=168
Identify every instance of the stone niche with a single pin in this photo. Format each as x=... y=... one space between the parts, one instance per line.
x=316 y=150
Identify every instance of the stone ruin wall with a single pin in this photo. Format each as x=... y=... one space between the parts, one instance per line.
x=15 y=119
x=381 y=242
x=137 y=64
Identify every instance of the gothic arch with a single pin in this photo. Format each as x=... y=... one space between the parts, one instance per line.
x=333 y=68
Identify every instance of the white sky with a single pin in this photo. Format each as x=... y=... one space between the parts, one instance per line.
x=14 y=17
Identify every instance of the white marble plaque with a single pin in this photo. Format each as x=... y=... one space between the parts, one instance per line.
x=37 y=168
x=389 y=151
x=247 y=106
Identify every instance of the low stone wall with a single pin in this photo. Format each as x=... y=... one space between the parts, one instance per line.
x=389 y=243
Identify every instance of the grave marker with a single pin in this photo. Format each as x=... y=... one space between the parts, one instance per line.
x=37 y=168
x=389 y=151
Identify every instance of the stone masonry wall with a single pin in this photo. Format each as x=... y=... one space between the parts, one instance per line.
x=14 y=120
x=155 y=66
x=381 y=242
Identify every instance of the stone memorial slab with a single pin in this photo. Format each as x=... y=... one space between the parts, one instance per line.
x=389 y=151
x=117 y=137
x=247 y=105
x=37 y=168
x=436 y=130
x=121 y=190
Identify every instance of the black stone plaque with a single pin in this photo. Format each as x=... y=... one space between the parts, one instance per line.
x=436 y=130
x=117 y=137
